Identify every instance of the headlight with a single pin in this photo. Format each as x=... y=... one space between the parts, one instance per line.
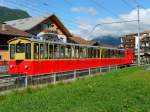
x=11 y=66
x=26 y=67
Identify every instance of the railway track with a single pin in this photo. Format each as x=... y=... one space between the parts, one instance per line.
x=7 y=82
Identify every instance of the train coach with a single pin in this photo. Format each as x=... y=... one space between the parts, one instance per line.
x=33 y=57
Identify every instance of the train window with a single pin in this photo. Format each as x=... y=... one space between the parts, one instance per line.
x=98 y=53
x=20 y=48
x=68 y=51
x=46 y=51
x=121 y=53
x=106 y=53
x=41 y=51
x=12 y=51
x=109 y=53
x=94 y=53
x=73 y=51
x=62 y=51
x=102 y=53
x=117 y=53
x=84 y=52
x=112 y=53
x=56 y=51
x=81 y=52
x=76 y=51
x=51 y=49
x=28 y=51
x=36 y=51
x=89 y=52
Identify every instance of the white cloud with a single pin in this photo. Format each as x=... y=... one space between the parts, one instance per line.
x=84 y=27
x=87 y=10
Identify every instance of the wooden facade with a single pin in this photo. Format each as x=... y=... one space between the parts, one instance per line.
x=51 y=24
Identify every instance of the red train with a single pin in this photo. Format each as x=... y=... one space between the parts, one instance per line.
x=33 y=57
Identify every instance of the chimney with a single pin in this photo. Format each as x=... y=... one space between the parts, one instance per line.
x=3 y=27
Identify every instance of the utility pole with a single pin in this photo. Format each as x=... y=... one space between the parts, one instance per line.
x=138 y=37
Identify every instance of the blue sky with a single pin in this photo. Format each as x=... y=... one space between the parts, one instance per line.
x=79 y=14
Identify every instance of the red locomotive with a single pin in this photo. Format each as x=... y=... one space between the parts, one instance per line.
x=33 y=57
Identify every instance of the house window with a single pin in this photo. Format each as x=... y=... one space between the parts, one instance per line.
x=48 y=26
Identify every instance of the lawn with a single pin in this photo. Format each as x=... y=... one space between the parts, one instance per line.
x=125 y=90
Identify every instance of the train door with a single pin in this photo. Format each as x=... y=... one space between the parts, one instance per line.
x=23 y=53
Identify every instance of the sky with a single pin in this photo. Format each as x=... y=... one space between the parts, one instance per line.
x=81 y=16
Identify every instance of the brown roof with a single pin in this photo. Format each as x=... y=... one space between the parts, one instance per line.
x=79 y=40
x=61 y=25
x=27 y=24
x=9 y=30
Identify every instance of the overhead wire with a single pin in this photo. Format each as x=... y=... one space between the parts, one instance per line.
x=46 y=5
x=101 y=6
x=110 y=12
x=104 y=8
x=72 y=23
x=114 y=22
x=127 y=4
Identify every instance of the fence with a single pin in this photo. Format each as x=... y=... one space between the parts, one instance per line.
x=12 y=82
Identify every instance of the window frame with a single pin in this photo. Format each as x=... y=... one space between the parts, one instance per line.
x=13 y=50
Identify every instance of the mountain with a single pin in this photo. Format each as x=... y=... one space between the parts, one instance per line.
x=108 y=40
x=7 y=14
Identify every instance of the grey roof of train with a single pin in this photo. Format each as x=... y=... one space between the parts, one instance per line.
x=82 y=45
x=27 y=23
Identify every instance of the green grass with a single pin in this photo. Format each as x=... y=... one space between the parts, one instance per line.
x=125 y=90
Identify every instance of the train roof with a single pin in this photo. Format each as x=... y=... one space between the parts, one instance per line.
x=52 y=42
